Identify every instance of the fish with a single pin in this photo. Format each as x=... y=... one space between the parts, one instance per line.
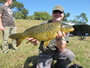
x=43 y=32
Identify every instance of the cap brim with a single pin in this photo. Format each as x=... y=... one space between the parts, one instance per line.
x=58 y=9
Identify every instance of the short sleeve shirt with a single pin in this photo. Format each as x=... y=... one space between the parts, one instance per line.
x=7 y=16
x=52 y=44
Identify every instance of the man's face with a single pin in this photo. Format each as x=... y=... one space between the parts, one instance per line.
x=10 y=2
x=57 y=15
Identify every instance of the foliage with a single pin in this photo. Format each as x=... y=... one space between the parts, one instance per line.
x=41 y=16
x=19 y=15
x=24 y=12
x=30 y=17
x=1 y=2
x=20 y=10
x=18 y=6
x=84 y=18
x=66 y=15
x=81 y=18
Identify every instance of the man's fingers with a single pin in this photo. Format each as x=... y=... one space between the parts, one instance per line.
x=63 y=34
x=34 y=40
x=59 y=35
x=29 y=39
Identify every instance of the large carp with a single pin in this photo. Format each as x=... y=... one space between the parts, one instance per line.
x=43 y=32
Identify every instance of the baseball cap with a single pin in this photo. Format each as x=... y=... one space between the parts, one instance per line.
x=58 y=7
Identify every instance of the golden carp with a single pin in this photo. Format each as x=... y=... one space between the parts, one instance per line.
x=43 y=32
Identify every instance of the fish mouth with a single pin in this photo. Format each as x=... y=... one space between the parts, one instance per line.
x=72 y=30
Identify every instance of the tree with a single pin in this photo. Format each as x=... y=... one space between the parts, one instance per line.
x=66 y=15
x=19 y=15
x=24 y=12
x=42 y=16
x=28 y=17
x=1 y=2
x=76 y=19
x=81 y=18
x=17 y=6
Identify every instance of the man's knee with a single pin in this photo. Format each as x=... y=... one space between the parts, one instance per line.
x=66 y=56
x=70 y=55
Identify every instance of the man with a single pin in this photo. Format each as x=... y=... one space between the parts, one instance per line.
x=7 y=25
x=56 y=48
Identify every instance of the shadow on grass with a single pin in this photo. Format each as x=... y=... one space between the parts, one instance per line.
x=10 y=46
x=32 y=60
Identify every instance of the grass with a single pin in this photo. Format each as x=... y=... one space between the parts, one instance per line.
x=28 y=53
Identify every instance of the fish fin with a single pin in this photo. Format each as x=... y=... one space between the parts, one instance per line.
x=19 y=37
x=18 y=41
x=46 y=43
x=27 y=42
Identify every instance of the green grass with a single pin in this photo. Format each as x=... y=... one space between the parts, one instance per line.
x=28 y=53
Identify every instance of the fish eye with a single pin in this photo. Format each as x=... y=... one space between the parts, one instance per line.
x=63 y=26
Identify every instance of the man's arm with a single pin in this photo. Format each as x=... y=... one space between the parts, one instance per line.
x=1 y=26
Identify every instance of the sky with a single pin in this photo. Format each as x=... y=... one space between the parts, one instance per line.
x=74 y=7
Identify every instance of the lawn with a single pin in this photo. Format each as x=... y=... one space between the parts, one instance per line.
x=28 y=53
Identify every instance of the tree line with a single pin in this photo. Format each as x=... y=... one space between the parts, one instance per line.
x=22 y=13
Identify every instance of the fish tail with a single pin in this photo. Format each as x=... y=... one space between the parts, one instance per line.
x=19 y=37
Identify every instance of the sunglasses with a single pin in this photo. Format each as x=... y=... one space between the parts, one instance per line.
x=57 y=11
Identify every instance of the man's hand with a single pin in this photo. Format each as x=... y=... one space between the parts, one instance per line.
x=33 y=41
x=1 y=28
x=16 y=28
x=60 y=35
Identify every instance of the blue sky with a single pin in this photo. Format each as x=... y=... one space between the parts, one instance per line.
x=74 y=7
